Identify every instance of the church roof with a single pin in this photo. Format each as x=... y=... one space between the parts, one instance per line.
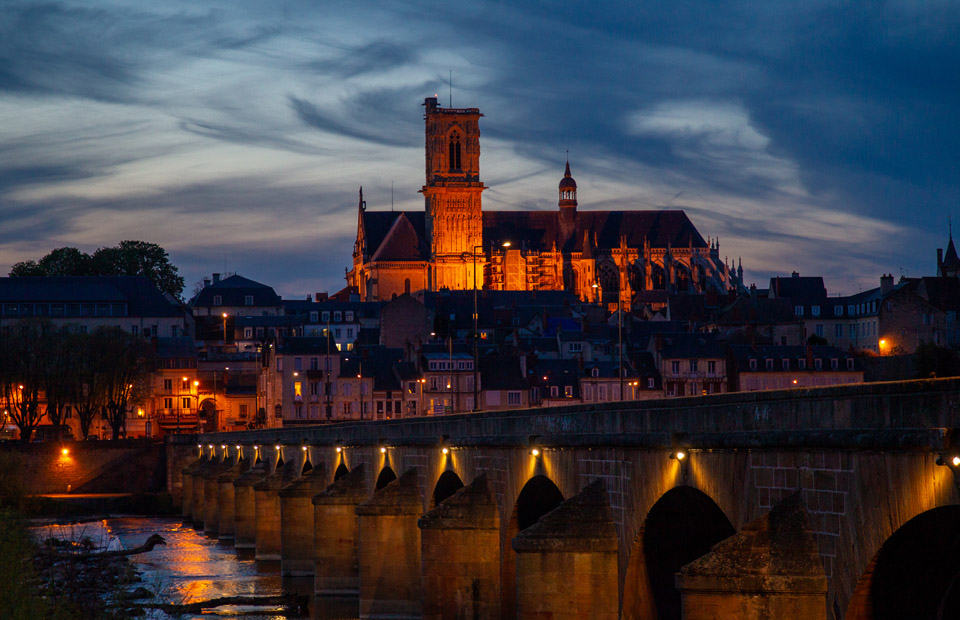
x=396 y=235
x=541 y=230
x=401 y=242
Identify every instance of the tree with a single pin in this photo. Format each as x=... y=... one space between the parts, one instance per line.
x=139 y=258
x=22 y=372
x=129 y=258
x=125 y=376
x=61 y=372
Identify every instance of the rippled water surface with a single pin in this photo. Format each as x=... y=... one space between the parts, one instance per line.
x=192 y=567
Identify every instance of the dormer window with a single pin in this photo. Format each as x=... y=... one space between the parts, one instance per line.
x=838 y=310
x=798 y=310
x=217 y=300
x=455 y=150
x=769 y=364
x=802 y=363
x=594 y=372
x=248 y=300
x=753 y=364
x=815 y=311
x=786 y=364
x=849 y=363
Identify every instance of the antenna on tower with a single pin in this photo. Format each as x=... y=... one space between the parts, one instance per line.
x=451 y=89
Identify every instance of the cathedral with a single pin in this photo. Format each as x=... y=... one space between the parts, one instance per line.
x=601 y=256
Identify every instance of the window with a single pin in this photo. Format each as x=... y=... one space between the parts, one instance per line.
x=851 y=310
x=346 y=388
x=168 y=403
x=798 y=310
x=675 y=367
x=248 y=333
x=849 y=363
x=594 y=372
x=802 y=363
x=279 y=364
x=651 y=383
x=298 y=363
x=297 y=390
x=769 y=364
x=834 y=364
x=819 y=330
x=513 y=398
x=336 y=333
x=928 y=318
x=168 y=384
x=313 y=316
x=186 y=402
x=711 y=367
x=568 y=391
x=217 y=300
x=814 y=310
x=326 y=316
x=298 y=411
x=838 y=310
x=433 y=383
x=576 y=347
x=852 y=331
x=753 y=364
x=889 y=306
x=454 y=153
x=349 y=316
x=242 y=410
x=693 y=365
x=554 y=391
x=785 y=364
x=588 y=392
x=314 y=388
x=838 y=330
x=817 y=363
x=134 y=329
x=248 y=300
x=314 y=363
x=349 y=332
x=337 y=316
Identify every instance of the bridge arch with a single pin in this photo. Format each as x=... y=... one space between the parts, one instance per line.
x=915 y=574
x=386 y=476
x=448 y=484
x=341 y=471
x=680 y=527
x=538 y=496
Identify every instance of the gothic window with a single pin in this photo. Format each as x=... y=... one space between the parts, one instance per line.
x=455 y=161
x=609 y=277
x=406 y=286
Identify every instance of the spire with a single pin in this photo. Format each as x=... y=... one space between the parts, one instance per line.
x=363 y=203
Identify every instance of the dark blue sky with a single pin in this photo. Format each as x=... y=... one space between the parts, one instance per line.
x=819 y=137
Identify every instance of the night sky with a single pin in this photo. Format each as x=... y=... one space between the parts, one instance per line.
x=813 y=136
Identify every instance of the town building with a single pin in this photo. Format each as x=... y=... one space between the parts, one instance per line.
x=777 y=367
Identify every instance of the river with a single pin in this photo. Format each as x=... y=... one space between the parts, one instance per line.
x=192 y=567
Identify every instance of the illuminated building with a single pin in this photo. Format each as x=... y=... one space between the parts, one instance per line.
x=453 y=244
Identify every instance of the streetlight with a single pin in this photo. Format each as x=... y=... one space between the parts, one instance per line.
x=476 y=329
x=180 y=401
x=224 y=315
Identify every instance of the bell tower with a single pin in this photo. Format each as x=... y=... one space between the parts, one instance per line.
x=454 y=219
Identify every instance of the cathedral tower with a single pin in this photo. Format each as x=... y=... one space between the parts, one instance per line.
x=454 y=220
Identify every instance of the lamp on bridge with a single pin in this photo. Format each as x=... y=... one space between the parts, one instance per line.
x=952 y=461
x=679 y=454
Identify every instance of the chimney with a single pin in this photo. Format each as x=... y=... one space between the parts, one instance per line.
x=886 y=283
x=794 y=274
x=320 y=297
x=206 y=282
x=216 y=278
x=430 y=103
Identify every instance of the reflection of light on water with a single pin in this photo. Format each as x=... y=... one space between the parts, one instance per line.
x=190 y=567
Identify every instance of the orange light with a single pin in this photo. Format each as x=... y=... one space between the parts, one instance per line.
x=446 y=450
x=535 y=452
x=383 y=450
x=339 y=449
x=224 y=315
x=883 y=342
x=196 y=383
x=64 y=452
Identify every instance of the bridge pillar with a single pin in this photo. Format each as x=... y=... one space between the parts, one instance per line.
x=567 y=561
x=460 y=550
x=245 y=506
x=268 y=544
x=226 y=503
x=389 y=551
x=186 y=488
x=335 y=566
x=211 y=498
x=197 y=505
x=296 y=522
x=771 y=569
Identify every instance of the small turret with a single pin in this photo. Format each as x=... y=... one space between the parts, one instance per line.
x=568 y=194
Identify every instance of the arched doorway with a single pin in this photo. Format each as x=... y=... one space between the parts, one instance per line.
x=680 y=527
x=386 y=477
x=208 y=416
x=448 y=484
x=916 y=573
x=537 y=497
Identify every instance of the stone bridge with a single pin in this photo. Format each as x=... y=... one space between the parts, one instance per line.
x=836 y=502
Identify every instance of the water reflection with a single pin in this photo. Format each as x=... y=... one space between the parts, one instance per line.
x=193 y=568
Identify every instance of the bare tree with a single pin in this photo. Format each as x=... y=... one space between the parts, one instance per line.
x=61 y=372
x=22 y=372
x=125 y=376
